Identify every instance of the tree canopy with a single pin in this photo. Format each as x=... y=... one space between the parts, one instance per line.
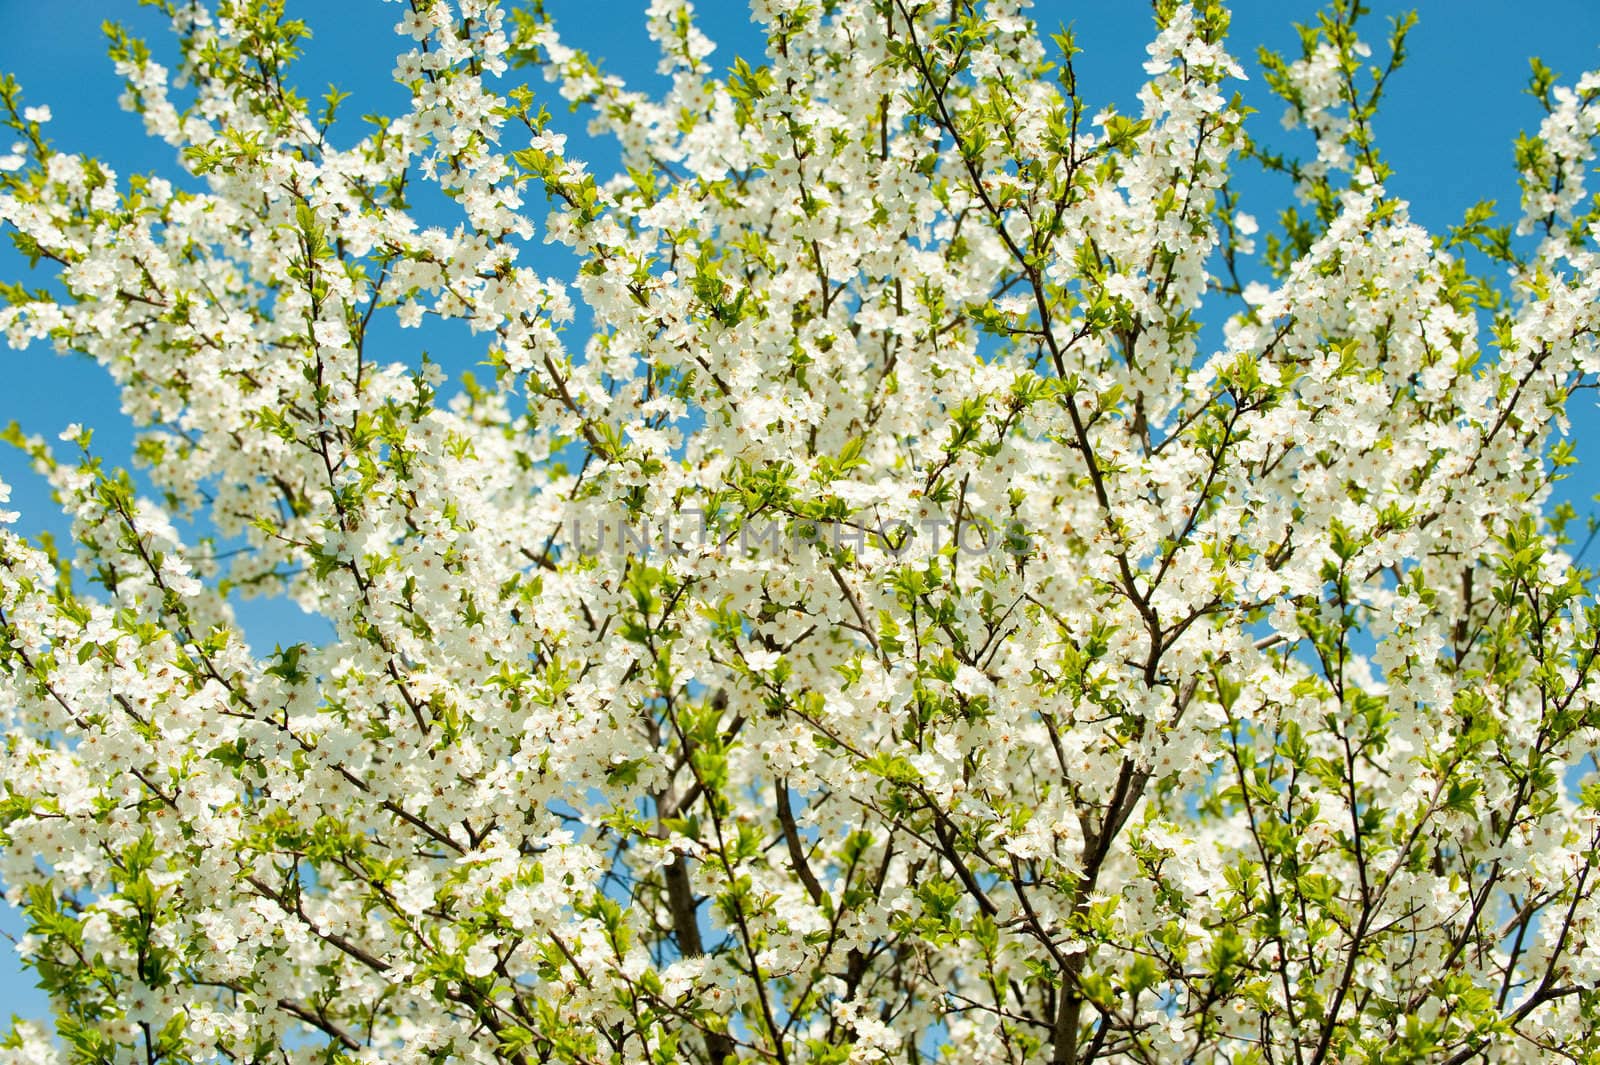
x=862 y=615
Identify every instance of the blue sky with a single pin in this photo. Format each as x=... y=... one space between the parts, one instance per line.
x=1449 y=123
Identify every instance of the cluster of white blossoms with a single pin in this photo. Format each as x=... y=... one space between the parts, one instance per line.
x=1267 y=737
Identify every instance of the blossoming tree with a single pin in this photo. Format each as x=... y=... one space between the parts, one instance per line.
x=1032 y=681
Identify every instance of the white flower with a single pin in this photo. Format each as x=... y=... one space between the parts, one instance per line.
x=761 y=661
x=971 y=681
x=480 y=960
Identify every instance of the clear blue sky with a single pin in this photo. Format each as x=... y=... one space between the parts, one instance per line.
x=1447 y=129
